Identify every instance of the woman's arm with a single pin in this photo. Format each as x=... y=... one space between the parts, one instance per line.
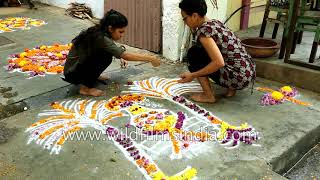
x=129 y=56
x=216 y=63
x=110 y=47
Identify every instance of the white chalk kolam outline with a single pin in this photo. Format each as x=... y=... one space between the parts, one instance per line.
x=169 y=88
x=80 y=114
x=59 y=119
x=81 y=110
x=143 y=154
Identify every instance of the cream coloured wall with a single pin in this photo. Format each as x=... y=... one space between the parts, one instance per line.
x=234 y=22
x=255 y=17
x=173 y=26
x=256 y=12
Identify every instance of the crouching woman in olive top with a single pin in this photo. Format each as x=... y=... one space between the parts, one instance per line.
x=93 y=50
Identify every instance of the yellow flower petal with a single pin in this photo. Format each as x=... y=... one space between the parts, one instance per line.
x=43 y=47
x=41 y=68
x=24 y=54
x=22 y=63
x=277 y=95
x=286 y=89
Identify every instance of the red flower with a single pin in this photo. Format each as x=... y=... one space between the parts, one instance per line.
x=230 y=47
x=209 y=29
x=248 y=73
x=219 y=30
x=238 y=56
x=225 y=38
x=243 y=64
x=239 y=78
x=231 y=63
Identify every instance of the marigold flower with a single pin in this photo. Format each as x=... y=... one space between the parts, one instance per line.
x=277 y=95
x=22 y=55
x=286 y=89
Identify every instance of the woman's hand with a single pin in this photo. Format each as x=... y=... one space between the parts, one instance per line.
x=123 y=63
x=186 y=77
x=155 y=61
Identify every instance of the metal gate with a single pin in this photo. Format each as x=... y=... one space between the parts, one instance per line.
x=144 y=28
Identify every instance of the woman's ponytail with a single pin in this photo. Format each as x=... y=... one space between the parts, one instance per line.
x=114 y=19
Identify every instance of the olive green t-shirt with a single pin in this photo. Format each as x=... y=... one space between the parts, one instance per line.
x=105 y=50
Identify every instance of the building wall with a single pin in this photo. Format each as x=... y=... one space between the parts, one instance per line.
x=234 y=22
x=255 y=17
x=219 y=13
x=256 y=12
x=173 y=26
x=97 y=6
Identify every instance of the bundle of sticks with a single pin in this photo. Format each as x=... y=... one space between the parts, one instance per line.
x=80 y=11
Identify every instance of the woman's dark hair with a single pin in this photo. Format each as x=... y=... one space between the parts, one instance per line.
x=88 y=37
x=114 y=19
x=194 y=6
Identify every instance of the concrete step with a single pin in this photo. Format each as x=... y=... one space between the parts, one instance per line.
x=276 y=70
x=307 y=167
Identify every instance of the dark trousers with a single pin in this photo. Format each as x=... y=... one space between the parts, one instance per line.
x=88 y=73
x=198 y=58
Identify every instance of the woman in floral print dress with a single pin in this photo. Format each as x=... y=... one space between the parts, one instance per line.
x=217 y=54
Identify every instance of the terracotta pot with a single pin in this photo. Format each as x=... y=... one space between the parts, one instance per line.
x=260 y=47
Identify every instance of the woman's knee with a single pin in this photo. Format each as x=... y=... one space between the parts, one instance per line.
x=197 y=58
x=195 y=52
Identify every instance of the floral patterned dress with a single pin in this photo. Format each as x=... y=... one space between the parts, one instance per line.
x=239 y=69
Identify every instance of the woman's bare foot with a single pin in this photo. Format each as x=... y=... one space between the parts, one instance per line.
x=90 y=91
x=230 y=92
x=103 y=77
x=201 y=97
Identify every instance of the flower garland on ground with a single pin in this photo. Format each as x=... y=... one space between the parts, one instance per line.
x=272 y=97
x=157 y=122
x=71 y=116
x=67 y=117
x=118 y=102
x=171 y=90
x=40 y=60
x=142 y=160
x=11 y=23
x=227 y=133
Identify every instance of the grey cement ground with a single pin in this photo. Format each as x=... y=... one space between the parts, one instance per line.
x=308 y=167
x=60 y=29
x=283 y=129
x=288 y=130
